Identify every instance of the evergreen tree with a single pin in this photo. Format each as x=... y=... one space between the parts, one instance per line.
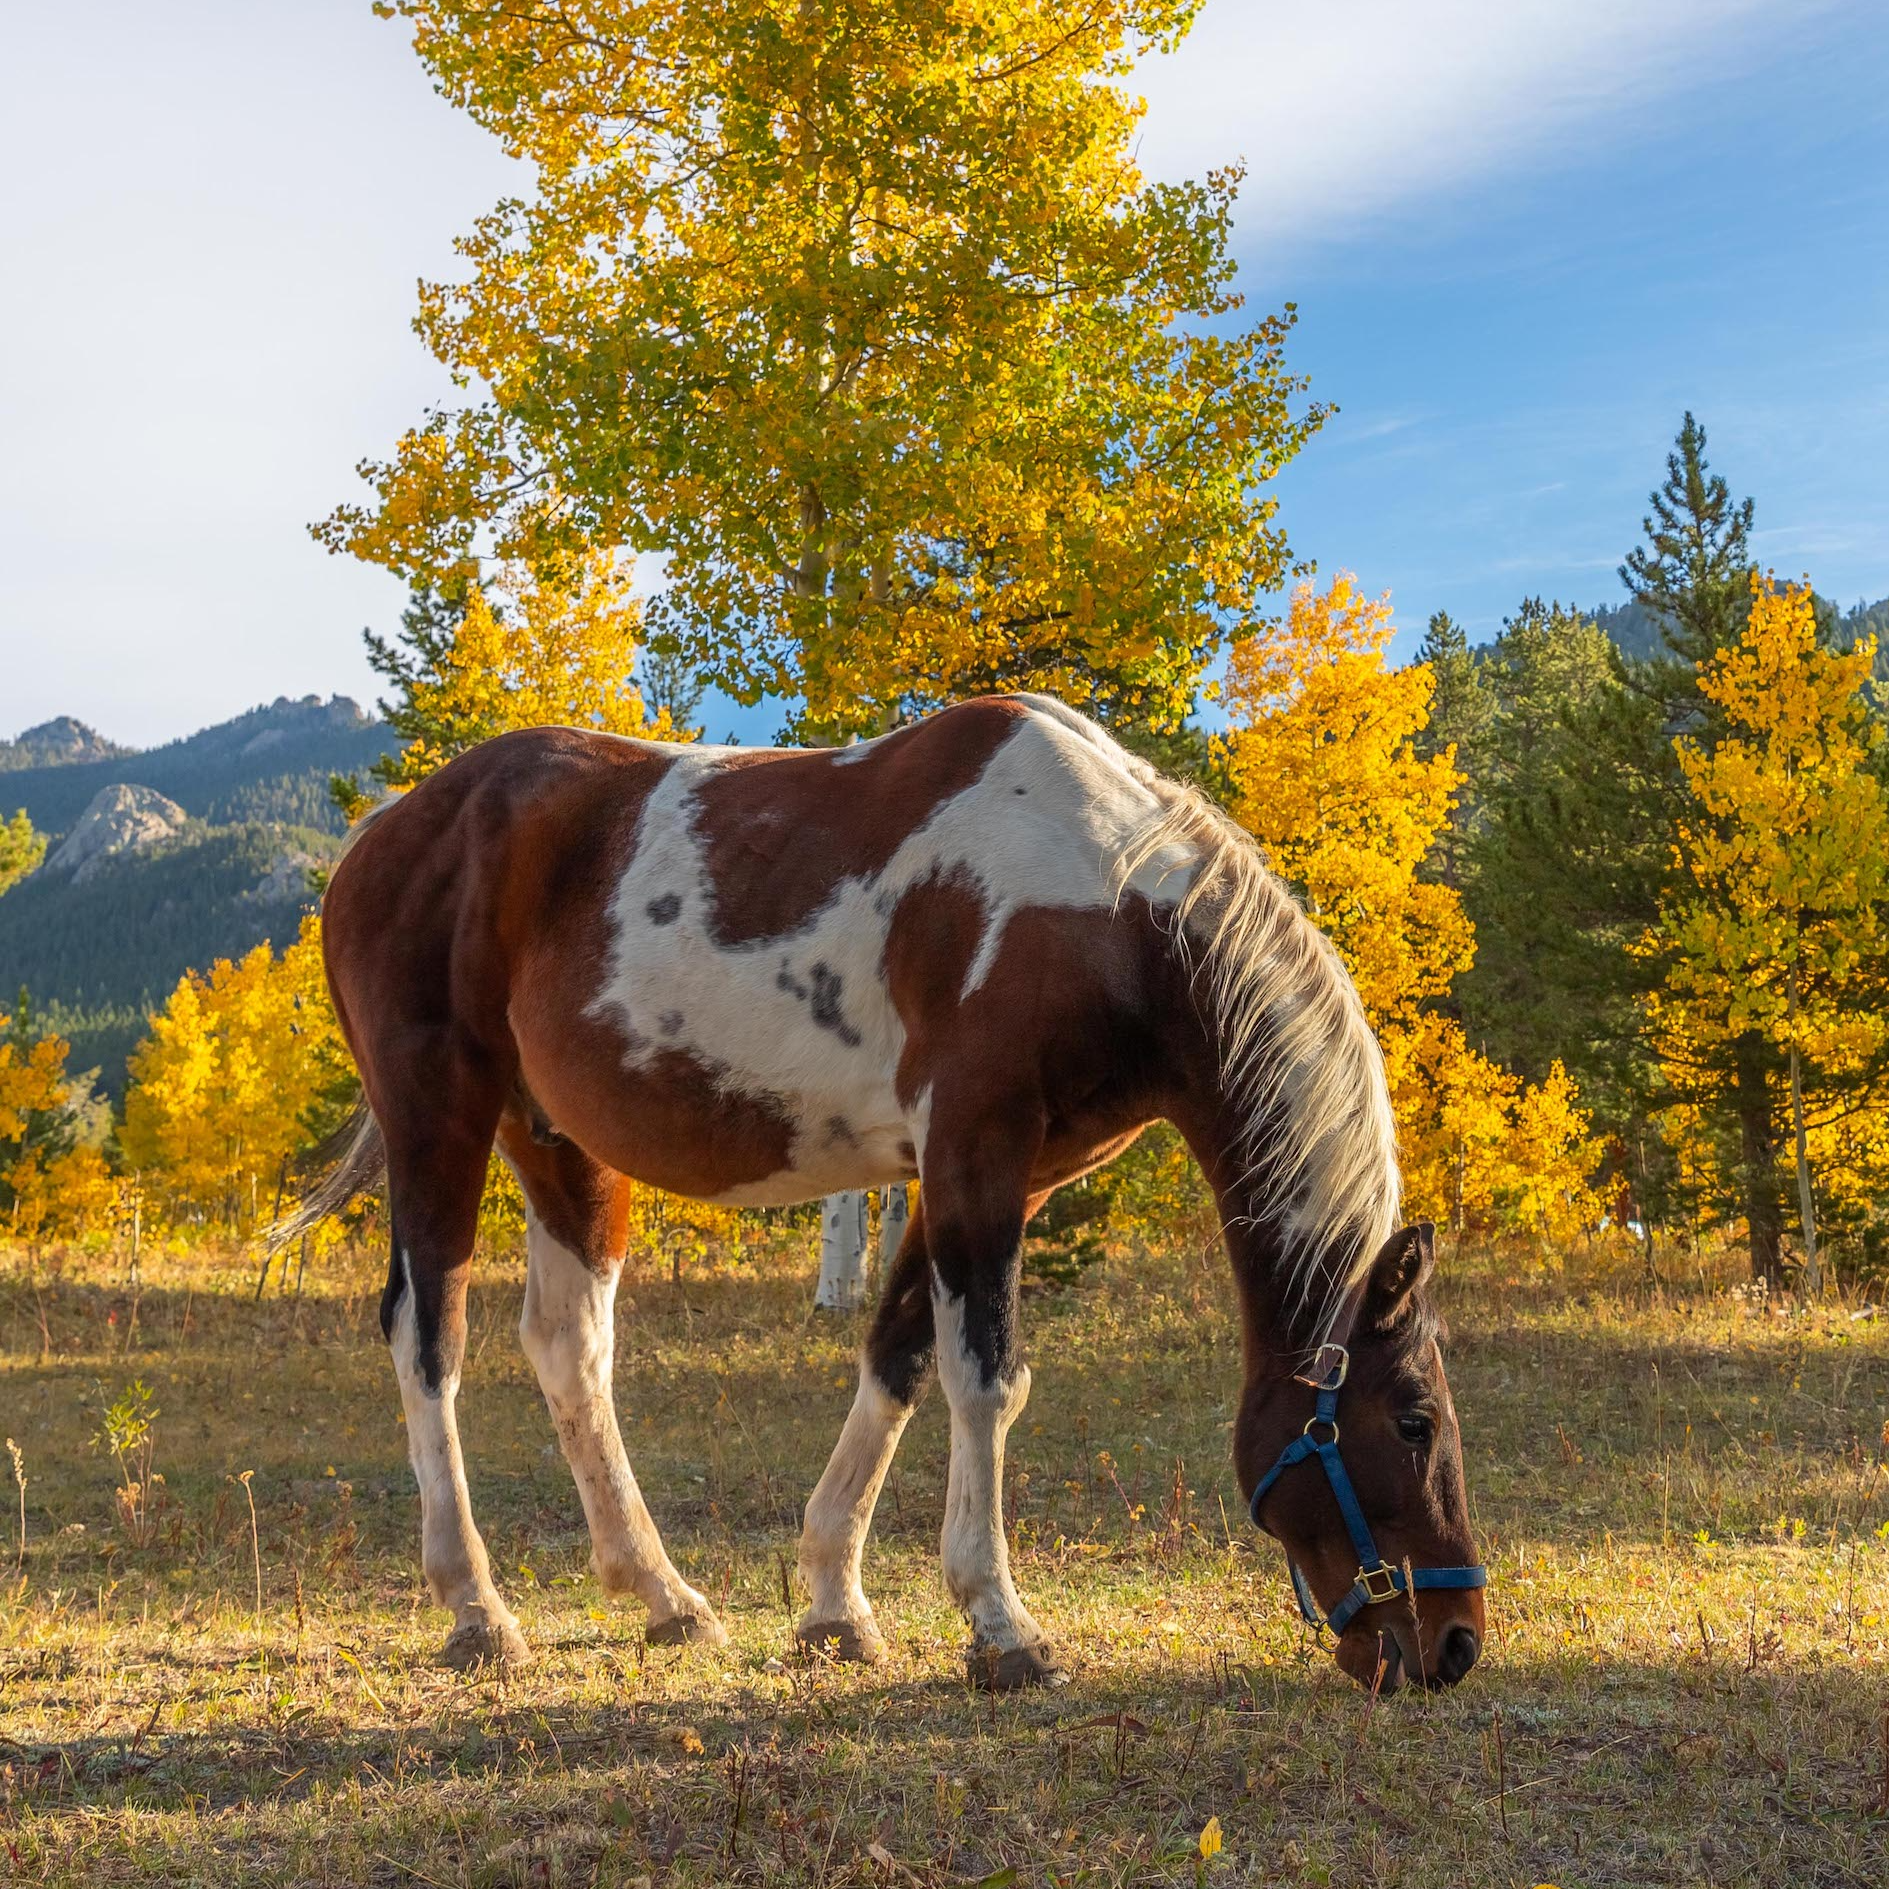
x=417 y=656
x=1567 y=862
x=1583 y=806
x=1462 y=716
x=1693 y=574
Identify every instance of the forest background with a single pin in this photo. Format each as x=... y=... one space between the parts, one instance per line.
x=870 y=330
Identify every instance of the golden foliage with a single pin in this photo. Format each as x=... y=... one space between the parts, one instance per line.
x=1777 y=925
x=50 y=1182
x=223 y=1087
x=1326 y=777
x=21 y=849
x=555 y=651
x=866 y=320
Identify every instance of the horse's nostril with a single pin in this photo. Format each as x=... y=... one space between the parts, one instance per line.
x=1459 y=1651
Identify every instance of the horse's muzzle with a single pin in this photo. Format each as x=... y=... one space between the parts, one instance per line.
x=1379 y=1660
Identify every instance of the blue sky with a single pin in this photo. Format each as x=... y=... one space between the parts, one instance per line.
x=1523 y=238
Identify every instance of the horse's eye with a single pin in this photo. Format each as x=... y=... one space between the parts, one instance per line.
x=1414 y=1429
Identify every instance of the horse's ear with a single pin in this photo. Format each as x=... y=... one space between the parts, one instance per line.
x=1403 y=1263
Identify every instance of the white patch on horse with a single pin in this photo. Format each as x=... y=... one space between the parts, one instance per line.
x=568 y=1330
x=976 y=1556
x=805 y=1018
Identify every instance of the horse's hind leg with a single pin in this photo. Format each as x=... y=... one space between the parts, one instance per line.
x=574 y=1244
x=436 y=1159
x=893 y=1369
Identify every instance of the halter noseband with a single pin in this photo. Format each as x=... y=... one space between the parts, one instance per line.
x=1377 y=1580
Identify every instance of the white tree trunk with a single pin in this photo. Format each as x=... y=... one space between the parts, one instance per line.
x=894 y=1211
x=842 y=1253
x=1806 y=1203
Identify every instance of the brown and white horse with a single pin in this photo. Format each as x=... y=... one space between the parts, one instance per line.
x=985 y=951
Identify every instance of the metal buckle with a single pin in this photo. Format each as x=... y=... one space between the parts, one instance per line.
x=1312 y=1423
x=1384 y=1572
x=1323 y=1376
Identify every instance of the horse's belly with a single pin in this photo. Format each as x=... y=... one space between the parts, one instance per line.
x=833 y=1157
x=748 y=1084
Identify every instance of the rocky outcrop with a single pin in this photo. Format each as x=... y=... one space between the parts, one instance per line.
x=286 y=879
x=121 y=819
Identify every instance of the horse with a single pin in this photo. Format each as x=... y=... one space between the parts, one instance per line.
x=984 y=951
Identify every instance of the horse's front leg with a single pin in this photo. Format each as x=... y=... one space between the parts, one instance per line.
x=893 y=1369
x=976 y=1203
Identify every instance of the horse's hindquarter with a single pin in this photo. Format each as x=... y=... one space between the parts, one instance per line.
x=738 y=974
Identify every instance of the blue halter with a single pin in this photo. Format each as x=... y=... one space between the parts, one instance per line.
x=1377 y=1580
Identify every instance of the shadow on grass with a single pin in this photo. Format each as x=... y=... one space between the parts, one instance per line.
x=1530 y=1772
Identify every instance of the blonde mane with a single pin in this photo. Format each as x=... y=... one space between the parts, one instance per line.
x=1299 y=1061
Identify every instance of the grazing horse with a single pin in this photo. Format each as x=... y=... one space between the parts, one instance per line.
x=983 y=951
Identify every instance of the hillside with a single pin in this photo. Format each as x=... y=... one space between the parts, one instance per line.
x=98 y=949
x=270 y=764
x=167 y=860
x=1635 y=630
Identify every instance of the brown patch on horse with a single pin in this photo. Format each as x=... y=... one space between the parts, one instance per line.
x=789 y=833
x=929 y=948
x=583 y=1205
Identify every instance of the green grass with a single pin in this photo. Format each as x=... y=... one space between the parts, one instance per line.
x=1683 y=1506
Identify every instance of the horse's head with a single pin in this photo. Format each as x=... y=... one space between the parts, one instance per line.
x=1369 y=1428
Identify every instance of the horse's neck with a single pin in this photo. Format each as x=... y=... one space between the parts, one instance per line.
x=1252 y=1228
x=1278 y=1307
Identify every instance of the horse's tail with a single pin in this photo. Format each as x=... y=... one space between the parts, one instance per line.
x=351 y=1160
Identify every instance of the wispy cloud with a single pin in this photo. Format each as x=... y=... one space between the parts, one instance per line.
x=1381 y=428
x=1347 y=109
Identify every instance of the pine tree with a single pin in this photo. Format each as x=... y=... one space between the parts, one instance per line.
x=1462 y=716
x=1693 y=572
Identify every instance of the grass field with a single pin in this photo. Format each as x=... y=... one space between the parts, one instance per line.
x=1684 y=1504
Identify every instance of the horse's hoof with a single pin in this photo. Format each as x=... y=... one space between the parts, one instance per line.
x=686 y=1630
x=852 y=1640
x=479 y=1643
x=1013 y=1669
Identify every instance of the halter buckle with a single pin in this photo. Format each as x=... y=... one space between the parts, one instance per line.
x=1385 y=1573
x=1331 y=1364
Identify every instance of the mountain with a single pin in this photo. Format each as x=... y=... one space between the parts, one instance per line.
x=57 y=743
x=270 y=764
x=165 y=861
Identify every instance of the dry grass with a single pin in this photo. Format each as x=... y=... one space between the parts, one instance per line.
x=1683 y=1505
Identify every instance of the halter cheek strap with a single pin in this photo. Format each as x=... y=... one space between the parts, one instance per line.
x=1377 y=1580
